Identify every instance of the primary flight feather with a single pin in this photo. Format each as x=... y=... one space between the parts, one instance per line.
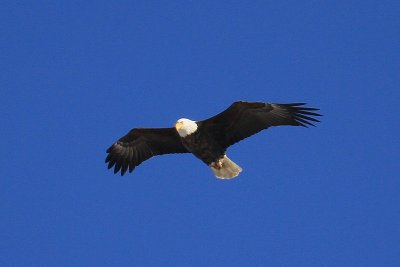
x=208 y=139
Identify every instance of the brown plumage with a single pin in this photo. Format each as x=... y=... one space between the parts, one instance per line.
x=207 y=139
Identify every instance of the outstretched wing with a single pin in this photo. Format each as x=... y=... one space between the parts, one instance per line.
x=243 y=119
x=141 y=144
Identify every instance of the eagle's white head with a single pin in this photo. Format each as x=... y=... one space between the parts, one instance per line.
x=185 y=127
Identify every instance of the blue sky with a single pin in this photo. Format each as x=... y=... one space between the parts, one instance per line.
x=77 y=75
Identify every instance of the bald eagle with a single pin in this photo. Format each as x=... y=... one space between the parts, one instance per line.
x=208 y=139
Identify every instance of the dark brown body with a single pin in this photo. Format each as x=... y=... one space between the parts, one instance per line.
x=203 y=146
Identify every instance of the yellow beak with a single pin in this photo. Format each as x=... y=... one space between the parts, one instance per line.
x=178 y=126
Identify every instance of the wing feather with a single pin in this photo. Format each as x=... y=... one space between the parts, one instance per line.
x=141 y=144
x=243 y=119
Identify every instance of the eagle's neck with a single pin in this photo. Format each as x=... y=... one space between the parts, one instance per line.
x=186 y=127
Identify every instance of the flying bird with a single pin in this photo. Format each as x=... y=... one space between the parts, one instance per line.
x=207 y=139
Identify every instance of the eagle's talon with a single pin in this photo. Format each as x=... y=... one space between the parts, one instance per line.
x=217 y=164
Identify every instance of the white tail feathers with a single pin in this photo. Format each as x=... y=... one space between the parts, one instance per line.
x=227 y=170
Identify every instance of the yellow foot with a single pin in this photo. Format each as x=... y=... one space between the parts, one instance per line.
x=217 y=164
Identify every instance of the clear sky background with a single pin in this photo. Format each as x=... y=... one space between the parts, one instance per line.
x=77 y=75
